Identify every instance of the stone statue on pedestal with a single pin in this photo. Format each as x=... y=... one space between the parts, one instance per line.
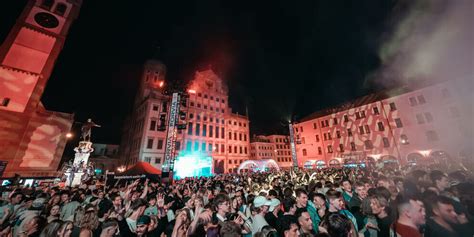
x=86 y=130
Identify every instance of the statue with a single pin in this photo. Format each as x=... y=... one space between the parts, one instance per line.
x=86 y=129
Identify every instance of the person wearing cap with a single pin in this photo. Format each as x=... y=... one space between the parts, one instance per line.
x=260 y=208
x=142 y=225
x=138 y=207
x=273 y=211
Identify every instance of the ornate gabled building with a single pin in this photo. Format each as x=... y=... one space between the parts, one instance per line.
x=211 y=127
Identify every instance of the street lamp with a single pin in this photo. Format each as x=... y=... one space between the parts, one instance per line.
x=121 y=169
x=69 y=135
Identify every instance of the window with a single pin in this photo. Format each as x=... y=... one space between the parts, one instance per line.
x=326 y=123
x=320 y=151
x=330 y=149
x=191 y=104
x=421 y=99
x=413 y=101
x=199 y=105
x=329 y=136
x=362 y=114
x=230 y=135
x=386 y=143
x=322 y=124
x=338 y=134
x=152 y=125
x=223 y=101
x=325 y=136
x=205 y=96
x=204 y=130
x=149 y=144
x=205 y=106
x=303 y=140
x=335 y=121
x=353 y=146
x=245 y=137
x=376 y=110
x=398 y=122
x=317 y=138
x=190 y=128
x=301 y=129
x=240 y=150
x=315 y=126
x=5 y=102
x=240 y=136
x=148 y=159
x=199 y=94
x=204 y=118
x=361 y=130
x=155 y=107
x=217 y=132
x=367 y=129
x=203 y=146
x=346 y=118
x=368 y=144
x=60 y=9
x=420 y=119
x=230 y=149
x=235 y=136
x=341 y=147
x=349 y=132
x=47 y=4
x=235 y=149
x=222 y=148
x=223 y=110
x=198 y=128
x=429 y=117
x=157 y=160
x=189 y=145
x=178 y=146
x=404 y=139
x=217 y=99
x=196 y=145
x=381 y=127
x=305 y=153
x=164 y=107
x=235 y=123
x=393 y=107
x=245 y=150
x=357 y=115
x=222 y=133
x=160 y=145
x=210 y=131
x=432 y=136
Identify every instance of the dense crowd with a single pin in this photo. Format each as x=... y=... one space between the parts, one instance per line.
x=327 y=202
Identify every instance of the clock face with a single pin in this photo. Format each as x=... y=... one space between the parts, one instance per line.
x=46 y=20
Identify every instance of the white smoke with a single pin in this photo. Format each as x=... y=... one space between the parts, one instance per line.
x=430 y=40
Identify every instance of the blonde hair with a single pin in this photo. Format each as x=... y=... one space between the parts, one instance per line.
x=90 y=221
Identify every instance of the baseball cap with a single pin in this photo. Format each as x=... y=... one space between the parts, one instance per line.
x=273 y=203
x=261 y=201
x=143 y=220
x=38 y=204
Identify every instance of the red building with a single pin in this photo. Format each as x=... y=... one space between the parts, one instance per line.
x=32 y=138
x=404 y=125
x=275 y=147
x=211 y=127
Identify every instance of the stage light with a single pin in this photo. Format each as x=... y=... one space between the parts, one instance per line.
x=191 y=91
x=68 y=135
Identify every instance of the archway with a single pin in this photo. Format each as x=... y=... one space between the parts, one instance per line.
x=320 y=164
x=388 y=161
x=258 y=165
x=309 y=164
x=414 y=157
x=334 y=163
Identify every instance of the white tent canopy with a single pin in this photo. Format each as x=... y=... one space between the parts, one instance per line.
x=258 y=165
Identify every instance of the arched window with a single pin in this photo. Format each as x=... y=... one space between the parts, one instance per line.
x=47 y=4
x=60 y=9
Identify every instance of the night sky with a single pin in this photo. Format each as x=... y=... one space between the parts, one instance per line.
x=282 y=59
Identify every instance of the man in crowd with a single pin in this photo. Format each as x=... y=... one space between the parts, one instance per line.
x=411 y=217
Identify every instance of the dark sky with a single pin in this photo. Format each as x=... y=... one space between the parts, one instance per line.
x=279 y=58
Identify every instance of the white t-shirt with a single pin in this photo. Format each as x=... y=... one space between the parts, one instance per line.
x=258 y=222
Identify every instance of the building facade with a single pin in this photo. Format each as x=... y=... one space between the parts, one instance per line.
x=32 y=138
x=403 y=125
x=203 y=109
x=275 y=147
x=105 y=158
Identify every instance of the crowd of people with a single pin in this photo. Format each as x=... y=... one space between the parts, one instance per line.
x=335 y=202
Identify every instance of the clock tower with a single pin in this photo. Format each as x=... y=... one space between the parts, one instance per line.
x=32 y=139
x=29 y=52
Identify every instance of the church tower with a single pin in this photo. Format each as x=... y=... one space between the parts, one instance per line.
x=32 y=139
x=28 y=54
